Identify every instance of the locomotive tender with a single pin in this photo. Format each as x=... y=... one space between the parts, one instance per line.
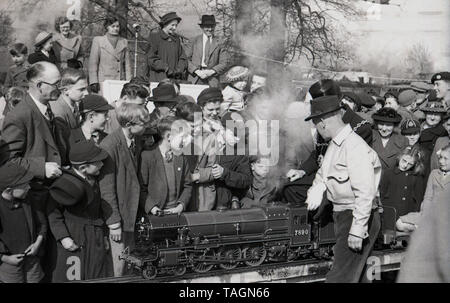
x=277 y=232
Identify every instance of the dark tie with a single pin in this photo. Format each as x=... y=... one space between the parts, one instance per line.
x=207 y=49
x=51 y=119
x=76 y=113
x=133 y=151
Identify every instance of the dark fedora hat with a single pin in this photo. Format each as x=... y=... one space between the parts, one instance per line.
x=164 y=93
x=323 y=105
x=167 y=18
x=387 y=114
x=208 y=20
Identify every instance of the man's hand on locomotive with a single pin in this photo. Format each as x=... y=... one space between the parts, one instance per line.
x=155 y=210
x=315 y=196
x=69 y=244
x=176 y=210
x=354 y=242
x=217 y=171
x=295 y=174
x=200 y=73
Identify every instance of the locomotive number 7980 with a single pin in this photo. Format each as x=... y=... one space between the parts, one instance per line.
x=301 y=232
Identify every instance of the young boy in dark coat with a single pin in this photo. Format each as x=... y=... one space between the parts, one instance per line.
x=77 y=217
x=165 y=175
x=23 y=228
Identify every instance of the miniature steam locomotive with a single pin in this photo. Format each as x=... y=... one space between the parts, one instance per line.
x=226 y=238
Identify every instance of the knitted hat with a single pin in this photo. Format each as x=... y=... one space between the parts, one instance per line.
x=407 y=97
x=410 y=126
x=237 y=73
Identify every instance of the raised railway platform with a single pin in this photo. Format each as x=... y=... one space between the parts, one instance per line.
x=306 y=271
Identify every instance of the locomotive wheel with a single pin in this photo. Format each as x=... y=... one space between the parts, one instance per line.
x=257 y=255
x=149 y=272
x=179 y=270
x=201 y=266
x=231 y=257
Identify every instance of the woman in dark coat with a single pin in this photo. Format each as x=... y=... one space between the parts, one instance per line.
x=166 y=57
x=385 y=141
x=76 y=217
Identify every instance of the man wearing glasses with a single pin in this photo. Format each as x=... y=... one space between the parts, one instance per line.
x=37 y=141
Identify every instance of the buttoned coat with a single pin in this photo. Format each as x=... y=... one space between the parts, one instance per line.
x=165 y=52
x=217 y=59
x=66 y=49
x=155 y=182
x=30 y=140
x=120 y=181
x=107 y=62
x=61 y=109
x=388 y=155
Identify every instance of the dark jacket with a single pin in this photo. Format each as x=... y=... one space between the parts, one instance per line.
x=61 y=109
x=32 y=222
x=402 y=190
x=155 y=183
x=165 y=52
x=388 y=155
x=17 y=76
x=120 y=181
x=39 y=56
x=235 y=181
x=83 y=222
x=76 y=135
x=428 y=137
x=30 y=139
x=217 y=59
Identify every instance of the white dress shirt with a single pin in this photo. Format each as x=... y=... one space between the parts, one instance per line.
x=205 y=38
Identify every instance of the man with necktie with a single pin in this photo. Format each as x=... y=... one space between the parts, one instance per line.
x=207 y=57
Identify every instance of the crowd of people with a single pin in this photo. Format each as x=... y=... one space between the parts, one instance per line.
x=77 y=172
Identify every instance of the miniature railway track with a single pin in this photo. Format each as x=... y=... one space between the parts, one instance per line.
x=316 y=274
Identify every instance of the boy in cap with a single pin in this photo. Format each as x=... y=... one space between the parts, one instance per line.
x=410 y=128
x=407 y=103
x=233 y=94
x=77 y=216
x=17 y=74
x=23 y=228
x=94 y=115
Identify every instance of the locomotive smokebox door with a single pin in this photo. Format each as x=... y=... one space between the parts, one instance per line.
x=300 y=229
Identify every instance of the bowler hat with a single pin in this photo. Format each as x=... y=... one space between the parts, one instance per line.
x=210 y=94
x=208 y=20
x=434 y=107
x=167 y=18
x=407 y=97
x=387 y=114
x=13 y=175
x=41 y=38
x=94 y=103
x=164 y=93
x=323 y=105
x=83 y=152
x=440 y=76
x=410 y=126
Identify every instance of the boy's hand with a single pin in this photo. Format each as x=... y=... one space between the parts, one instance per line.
x=176 y=210
x=155 y=210
x=14 y=260
x=115 y=234
x=355 y=243
x=33 y=249
x=195 y=177
x=217 y=171
x=295 y=174
x=69 y=244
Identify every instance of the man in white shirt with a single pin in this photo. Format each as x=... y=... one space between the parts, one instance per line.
x=207 y=56
x=349 y=175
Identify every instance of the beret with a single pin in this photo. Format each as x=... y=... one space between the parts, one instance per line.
x=440 y=76
x=237 y=73
x=407 y=97
x=210 y=94
x=94 y=103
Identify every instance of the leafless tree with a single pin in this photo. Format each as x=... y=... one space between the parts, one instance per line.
x=6 y=30
x=418 y=60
